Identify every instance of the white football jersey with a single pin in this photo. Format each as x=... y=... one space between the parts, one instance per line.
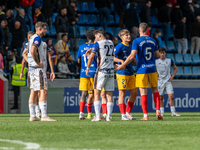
x=105 y=54
x=164 y=68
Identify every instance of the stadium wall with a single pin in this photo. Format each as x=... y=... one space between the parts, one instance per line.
x=64 y=95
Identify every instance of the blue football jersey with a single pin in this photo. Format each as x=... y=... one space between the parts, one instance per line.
x=145 y=46
x=84 y=60
x=122 y=51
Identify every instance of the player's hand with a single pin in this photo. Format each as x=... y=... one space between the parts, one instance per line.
x=120 y=67
x=52 y=76
x=170 y=79
x=87 y=72
x=68 y=72
x=21 y=75
x=122 y=61
x=41 y=65
x=88 y=52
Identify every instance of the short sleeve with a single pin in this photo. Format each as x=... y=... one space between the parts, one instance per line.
x=172 y=63
x=117 y=50
x=37 y=41
x=48 y=49
x=25 y=46
x=95 y=48
x=79 y=53
x=134 y=45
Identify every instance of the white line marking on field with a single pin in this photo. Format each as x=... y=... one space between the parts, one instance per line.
x=28 y=145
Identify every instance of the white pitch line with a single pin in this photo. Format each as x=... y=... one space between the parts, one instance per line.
x=28 y=145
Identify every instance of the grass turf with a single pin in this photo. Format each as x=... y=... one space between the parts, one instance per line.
x=172 y=133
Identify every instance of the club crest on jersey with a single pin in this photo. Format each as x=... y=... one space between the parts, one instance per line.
x=36 y=42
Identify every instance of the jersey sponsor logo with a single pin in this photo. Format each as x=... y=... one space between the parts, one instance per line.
x=36 y=42
x=148 y=66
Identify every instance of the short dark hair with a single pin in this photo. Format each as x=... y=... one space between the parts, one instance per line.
x=157 y=31
x=169 y=3
x=63 y=35
x=90 y=36
x=100 y=31
x=162 y=49
x=38 y=8
x=177 y=4
x=40 y=24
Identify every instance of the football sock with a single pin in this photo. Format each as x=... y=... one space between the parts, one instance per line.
x=104 y=108
x=144 y=102
x=32 y=110
x=172 y=109
x=162 y=110
x=156 y=98
x=109 y=109
x=89 y=108
x=37 y=109
x=122 y=108
x=129 y=106
x=82 y=106
x=43 y=107
x=145 y=115
x=97 y=107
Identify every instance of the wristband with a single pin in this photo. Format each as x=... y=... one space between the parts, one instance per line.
x=88 y=68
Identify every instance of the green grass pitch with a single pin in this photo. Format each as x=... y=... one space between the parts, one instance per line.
x=70 y=133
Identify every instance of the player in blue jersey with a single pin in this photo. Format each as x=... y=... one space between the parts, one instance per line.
x=145 y=50
x=125 y=78
x=86 y=83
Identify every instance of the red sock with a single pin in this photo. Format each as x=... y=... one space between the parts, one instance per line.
x=104 y=108
x=144 y=102
x=89 y=108
x=82 y=106
x=122 y=108
x=156 y=98
x=129 y=106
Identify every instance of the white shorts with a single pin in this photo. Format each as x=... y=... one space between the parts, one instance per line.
x=166 y=88
x=102 y=80
x=38 y=79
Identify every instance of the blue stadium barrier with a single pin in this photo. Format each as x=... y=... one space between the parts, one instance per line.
x=179 y=72
x=187 y=59
x=54 y=17
x=187 y=72
x=83 y=7
x=170 y=55
x=170 y=46
x=196 y=72
x=195 y=59
x=178 y=59
x=92 y=20
x=82 y=31
x=92 y=9
x=82 y=19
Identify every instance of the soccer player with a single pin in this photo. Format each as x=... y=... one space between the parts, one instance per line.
x=86 y=83
x=37 y=60
x=146 y=50
x=104 y=77
x=163 y=66
x=125 y=78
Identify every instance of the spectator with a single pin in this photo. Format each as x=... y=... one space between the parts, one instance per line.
x=155 y=37
x=1 y=40
x=53 y=52
x=3 y=4
x=131 y=17
x=38 y=15
x=160 y=43
x=16 y=81
x=176 y=15
x=120 y=8
x=6 y=35
x=195 y=40
x=182 y=3
x=115 y=40
x=74 y=36
x=10 y=19
x=14 y=6
x=61 y=46
x=134 y=33
x=180 y=35
x=48 y=10
x=38 y=3
x=63 y=3
x=63 y=68
x=190 y=17
x=171 y=1
x=27 y=5
x=72 y=11
x=165 y=19
x=196 y=9
x=1 y=61
x=17 y=38
x=73 y=66
x=2 y=15
x=145 y=14
x=104 y=11
x=62 y=26
x=20 y=18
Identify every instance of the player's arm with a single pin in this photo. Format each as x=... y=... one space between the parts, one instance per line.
x=52 y=76
x=24 y=62
x=175 y=70
x=128 y=60
x=118 y=60
x=157 y=55
x=35 y=57
x=25 y=54
x=90 y=60
x=134 y=62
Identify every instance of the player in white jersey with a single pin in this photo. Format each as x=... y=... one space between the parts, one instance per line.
x=163 y=66
x=104 y=77
x=37 y=60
